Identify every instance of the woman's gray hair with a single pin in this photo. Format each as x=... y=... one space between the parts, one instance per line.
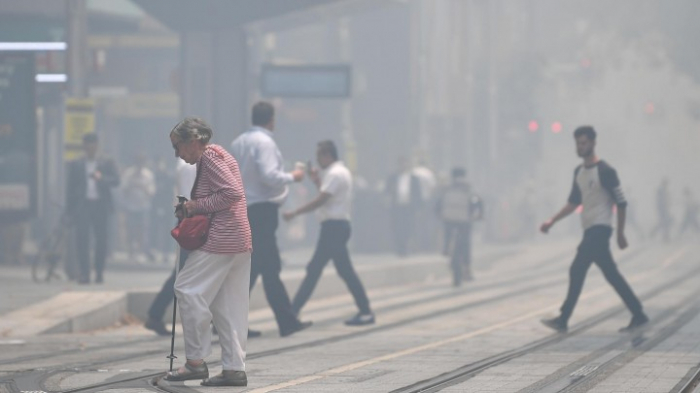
x=193 y=128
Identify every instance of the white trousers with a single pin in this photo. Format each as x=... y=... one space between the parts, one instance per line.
x=214 y=287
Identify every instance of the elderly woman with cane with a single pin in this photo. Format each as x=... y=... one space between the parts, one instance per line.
x=213 y=283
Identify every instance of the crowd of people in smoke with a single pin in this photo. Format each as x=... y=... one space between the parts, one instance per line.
x=141 y=203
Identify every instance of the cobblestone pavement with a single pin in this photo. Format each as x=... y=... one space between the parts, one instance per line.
x=482 y=337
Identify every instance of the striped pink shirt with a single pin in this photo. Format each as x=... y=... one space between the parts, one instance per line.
x=220 y=191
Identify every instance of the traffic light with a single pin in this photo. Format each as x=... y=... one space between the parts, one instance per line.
x=556 y=127
x=533 y=126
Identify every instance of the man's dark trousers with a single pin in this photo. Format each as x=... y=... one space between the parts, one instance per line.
x=462 y=253
x=266 y=261
x=164 y=298
x=332 y=244
x=403 y=218
x=595 y=248
x=91 y=217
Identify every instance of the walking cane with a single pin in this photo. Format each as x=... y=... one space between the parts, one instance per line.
x=182 y=256
x=172 y=356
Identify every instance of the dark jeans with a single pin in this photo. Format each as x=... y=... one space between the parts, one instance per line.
x=266 y=262
x=164 y=298
x=459 y=242
x=332 y=244
x=595 y=248
x=91 y=218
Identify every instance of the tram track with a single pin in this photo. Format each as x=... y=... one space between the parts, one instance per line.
x=464 y=373
x=40 y=384
x=152 y=339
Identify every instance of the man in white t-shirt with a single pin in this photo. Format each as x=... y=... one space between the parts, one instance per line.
x=597 y=188
x=138 y=189
x=333 y=203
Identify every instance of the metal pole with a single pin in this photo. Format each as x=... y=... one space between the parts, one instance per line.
x=77 y=47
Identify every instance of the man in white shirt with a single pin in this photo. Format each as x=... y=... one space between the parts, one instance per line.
x=266 y=188
x=333 y=203
x=406 y=195
x=138 y=188
x=596 y=187
x=459 y=207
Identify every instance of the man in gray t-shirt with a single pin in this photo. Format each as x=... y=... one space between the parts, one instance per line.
x=597 y=188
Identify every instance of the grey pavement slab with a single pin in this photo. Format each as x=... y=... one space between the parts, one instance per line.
x=61 y=306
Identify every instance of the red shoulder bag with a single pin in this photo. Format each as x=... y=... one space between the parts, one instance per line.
x=191 y=232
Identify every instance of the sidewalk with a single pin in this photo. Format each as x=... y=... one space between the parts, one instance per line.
x=30 y=308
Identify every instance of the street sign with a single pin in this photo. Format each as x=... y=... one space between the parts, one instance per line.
x=79 y=120
x=317 y=81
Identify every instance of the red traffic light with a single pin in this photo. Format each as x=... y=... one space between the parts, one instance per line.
x=649 y=108
x=556 y=127
x=533 y=126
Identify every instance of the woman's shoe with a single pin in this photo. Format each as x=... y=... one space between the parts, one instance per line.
x=193 y=372
x=227 y=378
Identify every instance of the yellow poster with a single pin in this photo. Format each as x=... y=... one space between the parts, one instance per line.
x=79 y=120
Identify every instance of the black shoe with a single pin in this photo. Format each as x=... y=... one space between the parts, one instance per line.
x=299 y=327
x=99 y=280
x=361 y=319
x=636 y=322
x=254 y=333
x=191 y=373
x=83 y=281
x=227 y=378
x=556 y=324
x=158 y=327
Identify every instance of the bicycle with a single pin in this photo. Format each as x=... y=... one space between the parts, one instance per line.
x=52 y=249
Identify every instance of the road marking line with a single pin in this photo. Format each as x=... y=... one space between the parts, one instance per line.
x=675 y=257
x=364 y=363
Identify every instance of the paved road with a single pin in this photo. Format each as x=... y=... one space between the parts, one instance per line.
x=483 y=337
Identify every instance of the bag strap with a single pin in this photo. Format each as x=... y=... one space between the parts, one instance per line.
x=196 y=179
x=194 y=186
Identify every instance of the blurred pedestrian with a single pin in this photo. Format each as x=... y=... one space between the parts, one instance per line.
x=184 y=180
x=161 y=208
x=632 y=217
x=213 y=283
x=459 y=207
x=596 y=187
x=663 y=210
x=266 y=188
x=690 y=213
x=89 y=203
x=333 y=202
x=138 y=189
x=405 y=194
x=426 y=233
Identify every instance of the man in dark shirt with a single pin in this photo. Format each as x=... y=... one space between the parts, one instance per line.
x=596 y=187
x=89 y=202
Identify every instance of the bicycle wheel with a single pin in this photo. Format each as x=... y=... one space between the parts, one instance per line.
x=44 y=265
